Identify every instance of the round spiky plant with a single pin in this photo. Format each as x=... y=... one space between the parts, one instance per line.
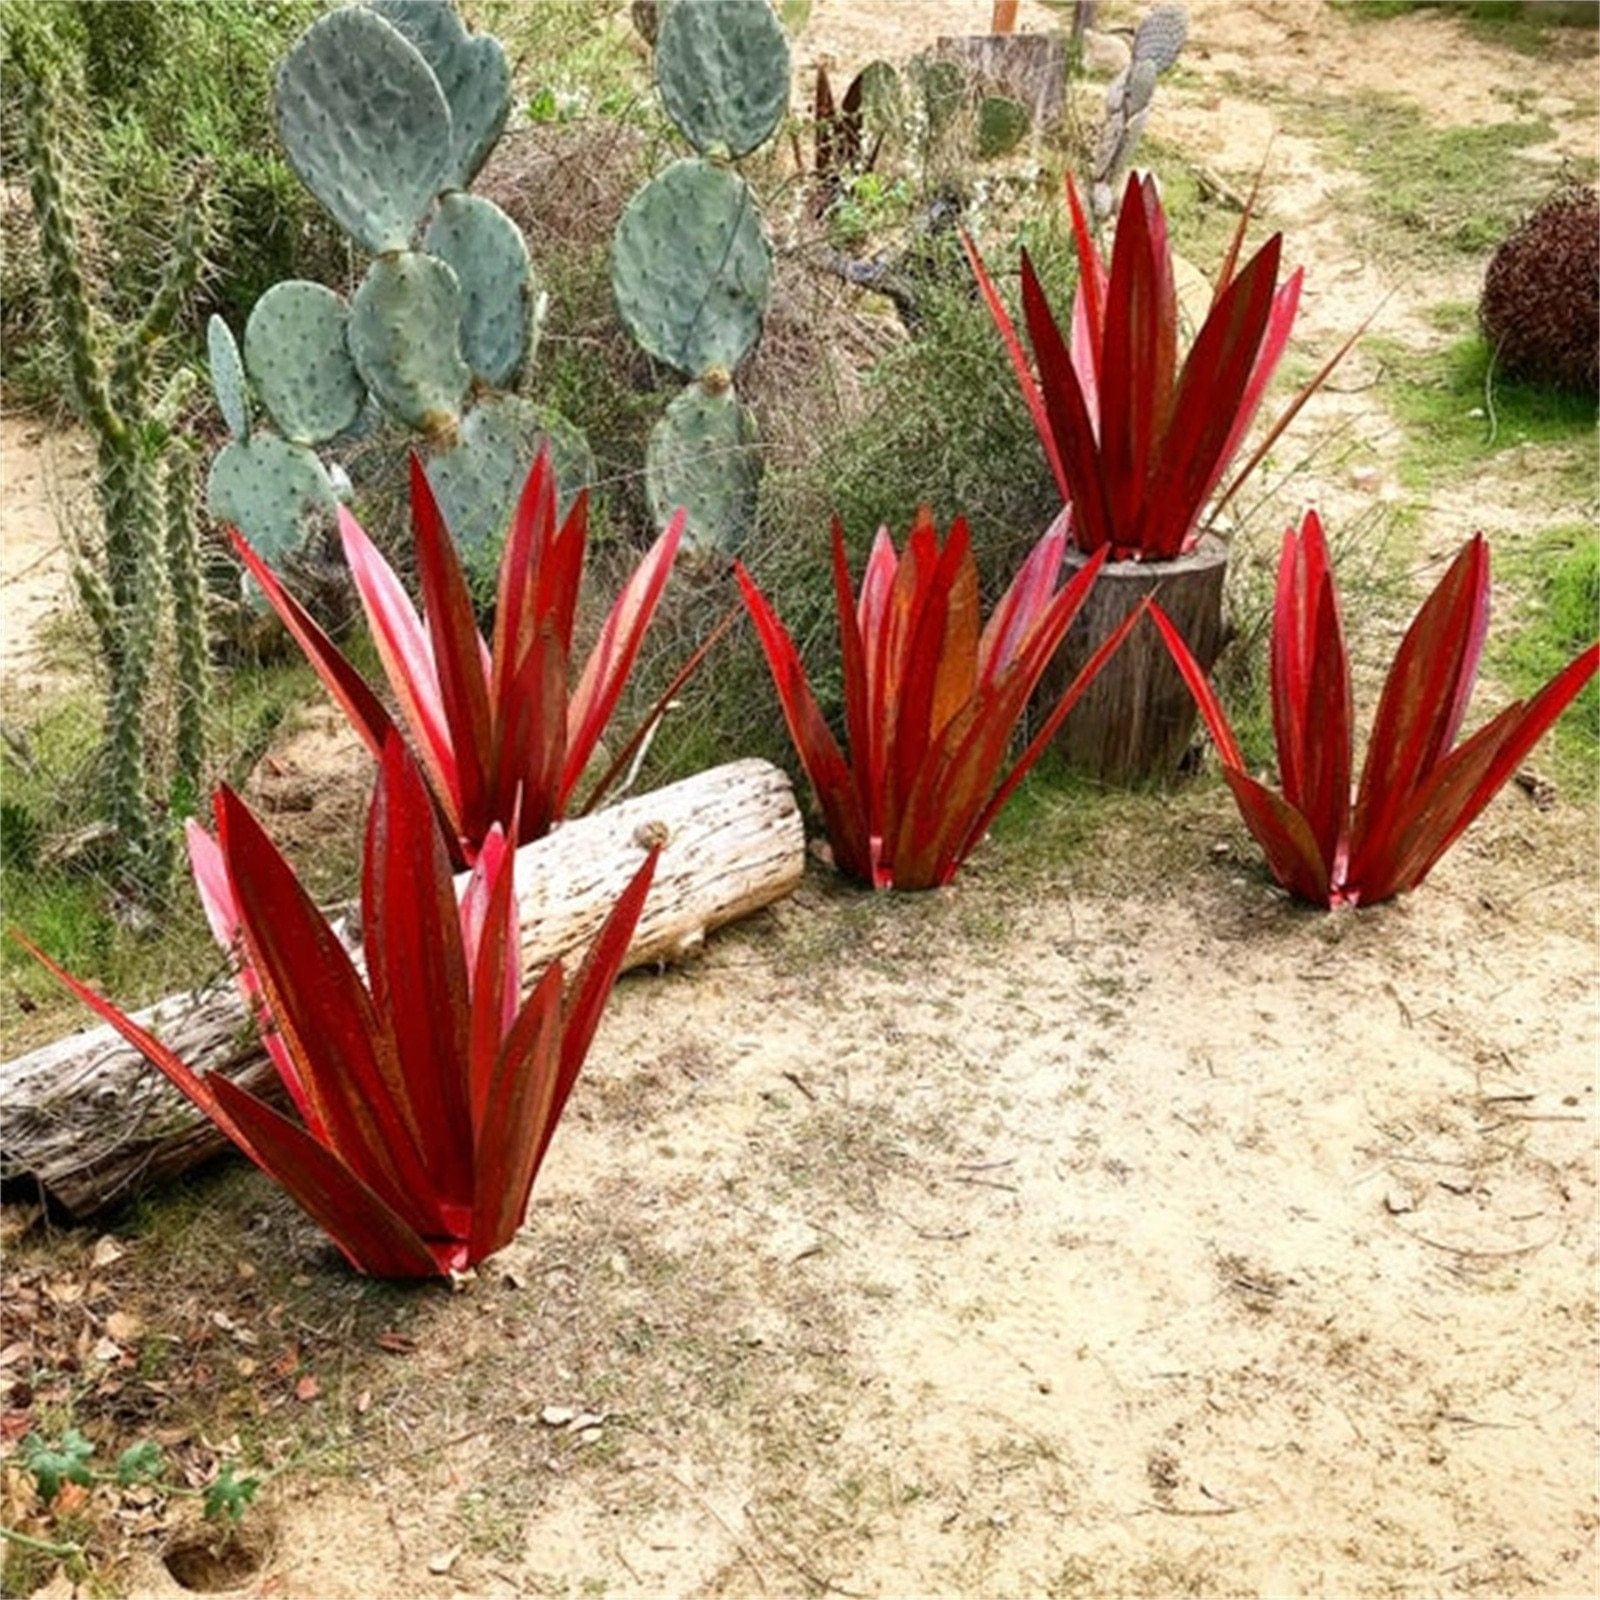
x=1541 y=296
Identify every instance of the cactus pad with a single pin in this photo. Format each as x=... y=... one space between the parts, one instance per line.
x=485 y=250
x=1002 y=125
x=723 y=70
x=478 y=479
x=691 y=267
x=365 y=124
x=405 y=338
x=704 y=455
x=294 y=347
x=1161 y=35
x=276 y=493
x=227 y=377
x=472 y=72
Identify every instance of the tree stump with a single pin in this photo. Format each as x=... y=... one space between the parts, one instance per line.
x=87 y=1122
x=1030 y=68
x=1136 y=719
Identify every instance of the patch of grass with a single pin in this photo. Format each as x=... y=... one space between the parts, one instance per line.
x=1564 y=29
x=49 y=774
x=1459 y=415
x=1559 y=572
x=1430 y=189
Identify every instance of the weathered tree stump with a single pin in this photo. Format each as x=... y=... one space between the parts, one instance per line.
x=1137 y=718
x=87 y=1122
x=1030 y=68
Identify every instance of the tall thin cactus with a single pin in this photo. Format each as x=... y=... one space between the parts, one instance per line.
x=147 y=564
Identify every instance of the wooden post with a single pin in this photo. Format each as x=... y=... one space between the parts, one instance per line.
x=88 y=1122
x=1003 y=19
x=1136 y=720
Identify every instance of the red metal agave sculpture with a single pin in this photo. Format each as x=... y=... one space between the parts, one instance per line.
x=426 y=1095
x=1419 y=790
x=930 y=702
x=498 y=730
x=1138 y=443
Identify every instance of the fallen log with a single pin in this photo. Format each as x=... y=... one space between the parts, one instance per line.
x=86 y=1122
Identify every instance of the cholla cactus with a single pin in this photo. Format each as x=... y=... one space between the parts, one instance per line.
x=387 y=110
x=691 y=264
x=127 y=583
x=1157 y=44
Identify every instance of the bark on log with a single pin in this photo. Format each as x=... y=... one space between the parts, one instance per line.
x=1137 y=718
x=89 y=1123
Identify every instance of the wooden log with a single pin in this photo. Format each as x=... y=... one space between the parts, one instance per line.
x=1137 y=718
x=86 y=1121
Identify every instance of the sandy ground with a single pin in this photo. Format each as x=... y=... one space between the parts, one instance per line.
x=1054 y=1238
x=41 y=471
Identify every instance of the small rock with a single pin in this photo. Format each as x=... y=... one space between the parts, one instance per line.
x=1398 y=1201
x=1365 y=478
x=440 y=1564
x=557 y=1416
x=1106 y=52
x=586 y=1422
x=1045 y=1386
x=106 y=1250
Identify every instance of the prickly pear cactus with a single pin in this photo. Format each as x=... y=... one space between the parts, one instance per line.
x=473 y=75
x=1003 y=124
x=489 y=257
x=227 y=377
x=365 y=124
x=277 y=492
x=691 y=266
x=722 y=67
x=1156 y=46
x=1161 y=36
x=477 y=480
x=405 y=339
x=386 y=110
x=297 y=357
x=703 y=455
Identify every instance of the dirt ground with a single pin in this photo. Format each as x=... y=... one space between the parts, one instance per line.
x=1070 y=1233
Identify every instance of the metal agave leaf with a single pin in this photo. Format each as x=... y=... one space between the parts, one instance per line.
x=498 y=728
x=1419 y=790
x=426 y=1094
x=1138 y=443
x=930 y=700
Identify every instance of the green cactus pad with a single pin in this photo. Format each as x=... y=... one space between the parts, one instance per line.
x=486 y=251
x=227 y=377
x=1161 y=36
x=723 y=70
x=944 y=93
x=294 y=348
x=704 y=455
x=691 y=268
x=1002 y=125
x=477 y=481
x=405 y=338
x=274 y=492
x=472 y=71
x=1141 y=85
x=365 y=124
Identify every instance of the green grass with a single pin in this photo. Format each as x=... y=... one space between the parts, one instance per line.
x=49 y=774
x=1430 y=189
x=1558 y=574
x=1543 y=28
x=1459 y=416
